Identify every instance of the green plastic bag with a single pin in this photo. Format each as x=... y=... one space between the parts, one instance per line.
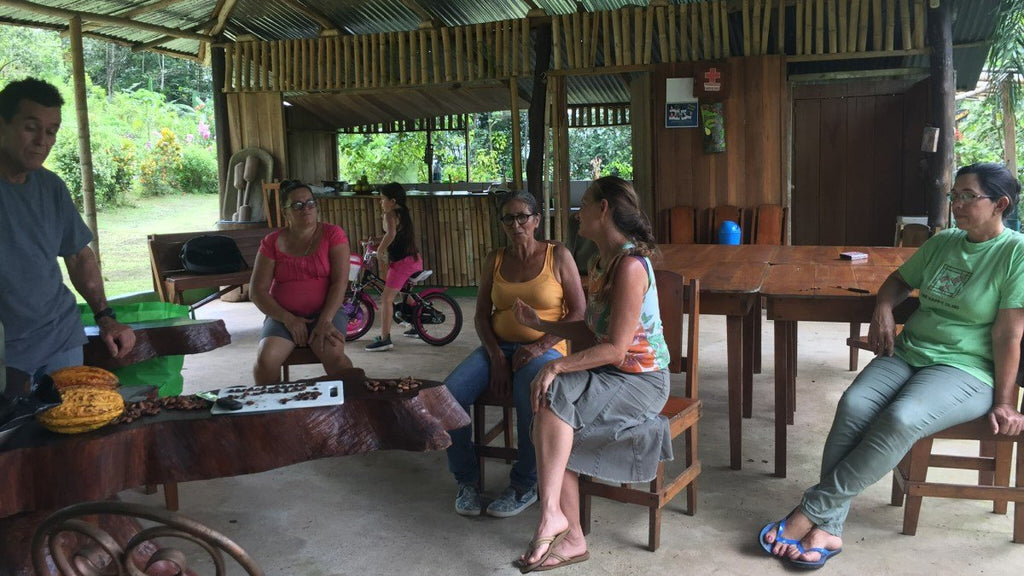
x=164 y=372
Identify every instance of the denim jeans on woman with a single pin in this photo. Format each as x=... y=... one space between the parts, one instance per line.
x=467 y=382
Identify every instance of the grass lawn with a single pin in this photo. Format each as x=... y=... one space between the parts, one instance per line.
x=123 y=252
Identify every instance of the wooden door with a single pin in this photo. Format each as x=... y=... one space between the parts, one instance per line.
x=855 y=152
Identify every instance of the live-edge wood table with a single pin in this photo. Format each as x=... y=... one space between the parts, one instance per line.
x=44 y=471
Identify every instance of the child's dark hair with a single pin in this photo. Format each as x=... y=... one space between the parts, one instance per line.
x=394 y=191
x=404 y=244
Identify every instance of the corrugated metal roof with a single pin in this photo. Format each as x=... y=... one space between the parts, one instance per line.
x=974 y=21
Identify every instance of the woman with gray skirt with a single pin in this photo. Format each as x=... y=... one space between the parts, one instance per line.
x=596 y=411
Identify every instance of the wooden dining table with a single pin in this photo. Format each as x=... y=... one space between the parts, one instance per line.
x=44 y=471
x=730 y=284
x=812 y=283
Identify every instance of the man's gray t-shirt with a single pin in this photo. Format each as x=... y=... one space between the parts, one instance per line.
x=38 y=224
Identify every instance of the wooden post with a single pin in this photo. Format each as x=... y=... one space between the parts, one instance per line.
x=517 y=134
x=84 y=147
x=940 y=164
x=220 y=118
x=535 y=161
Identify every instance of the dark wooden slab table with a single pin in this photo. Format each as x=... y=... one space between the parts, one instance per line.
x=44 y=471
x=177 y=336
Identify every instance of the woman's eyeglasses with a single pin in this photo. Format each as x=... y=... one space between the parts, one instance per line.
x=522 y=219
x=965 y=197
x=308 y=204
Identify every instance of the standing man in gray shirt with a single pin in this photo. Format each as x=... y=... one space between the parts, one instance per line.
x=38 y=223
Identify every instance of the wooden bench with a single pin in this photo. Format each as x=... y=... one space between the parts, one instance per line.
x=171 y=280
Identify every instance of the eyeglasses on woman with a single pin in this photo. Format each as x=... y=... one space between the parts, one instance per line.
x=308 y=205
x=521 y=218
x=965 y=197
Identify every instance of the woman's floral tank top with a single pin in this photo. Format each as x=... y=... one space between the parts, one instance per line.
x=648 y=351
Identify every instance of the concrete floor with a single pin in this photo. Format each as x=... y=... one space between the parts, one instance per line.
x=391 y=513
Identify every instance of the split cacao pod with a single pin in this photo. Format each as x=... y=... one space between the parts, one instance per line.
x=82 y=409
x=88 y=376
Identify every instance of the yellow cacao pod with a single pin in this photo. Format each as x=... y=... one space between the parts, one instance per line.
x=89 y=376
x=82 y=408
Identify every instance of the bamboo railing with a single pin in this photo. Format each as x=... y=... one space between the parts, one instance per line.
x=582 y=41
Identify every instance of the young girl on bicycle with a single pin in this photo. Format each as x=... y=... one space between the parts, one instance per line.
x=398 y=255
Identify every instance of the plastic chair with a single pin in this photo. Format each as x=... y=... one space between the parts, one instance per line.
x=676 y=299
x=97 y=548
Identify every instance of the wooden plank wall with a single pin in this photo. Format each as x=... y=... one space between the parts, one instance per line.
x=751 y=171
x=856 y=150
x=312 y=147
x=257 y=120
x=454 y=233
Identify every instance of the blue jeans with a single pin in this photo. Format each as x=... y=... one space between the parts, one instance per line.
x=467 y=382
x=889 y=406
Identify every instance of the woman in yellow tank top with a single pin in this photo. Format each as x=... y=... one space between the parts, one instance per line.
x=510 y=354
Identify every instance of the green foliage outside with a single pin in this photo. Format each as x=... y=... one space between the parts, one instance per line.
x=980 y=133
x=400 y=157
x=150 y=128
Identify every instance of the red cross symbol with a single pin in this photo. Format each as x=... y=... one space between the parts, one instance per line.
x=712 y=75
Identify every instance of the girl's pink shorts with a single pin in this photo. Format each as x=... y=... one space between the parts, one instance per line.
x=399 y=272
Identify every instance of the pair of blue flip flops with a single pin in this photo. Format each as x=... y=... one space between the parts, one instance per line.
x=825 y=554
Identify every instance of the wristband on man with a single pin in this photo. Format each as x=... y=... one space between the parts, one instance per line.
x=107 y=312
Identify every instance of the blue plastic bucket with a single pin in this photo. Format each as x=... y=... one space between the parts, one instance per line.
x=729 y=233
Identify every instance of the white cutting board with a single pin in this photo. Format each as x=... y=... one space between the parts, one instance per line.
x=263 y=399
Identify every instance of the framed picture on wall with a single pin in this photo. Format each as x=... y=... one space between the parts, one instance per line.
x=681 y=114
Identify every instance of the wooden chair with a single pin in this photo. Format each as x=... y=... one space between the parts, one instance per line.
x=272 y=204
x=769 y=225
x=720 y=214
x=682 y=412
x=484 y=436
x=682 y=225
x=94 y=549
x=298 y=356
x=910 y=478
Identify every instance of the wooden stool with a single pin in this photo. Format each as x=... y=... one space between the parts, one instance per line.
x=298 y=356
x=483 y=436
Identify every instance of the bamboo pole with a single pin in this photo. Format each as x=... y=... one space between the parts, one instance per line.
x=862 y=27
x=780 y=40
x=515 y=47
x=500 y=50
x=836 y=31
x=724 y=27
x=524 y=35
x=402 y=60
x=876 y=25
x=84 y=140
x=460 y=57
x=705 y=31
x=853 y=31
x=577 y=34
x=591 y=23
x=569 y=41
x=648 y=16
x=919 y=23
x=446 y=47
x=638 y=35
x=556 y=43
x=908 y=40
x=890 y=25
x=229 y=57
x=819 y=28
x=517 y=134
x=368 y=60
x=606 y=38
x=766 y=24
x=673 y=33
x=694 y=33
x=424 y=74
x=799 y=32
x=755 y=28
x=617 y=36
x=478 y=31
x=435 y=57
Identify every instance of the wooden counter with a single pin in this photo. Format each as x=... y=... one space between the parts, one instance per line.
x=454 y=233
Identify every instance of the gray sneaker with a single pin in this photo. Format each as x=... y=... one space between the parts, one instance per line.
x=511 y=503
x=379 y=344
x=467 y=501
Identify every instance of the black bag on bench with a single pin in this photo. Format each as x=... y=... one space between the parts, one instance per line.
x=212 y=255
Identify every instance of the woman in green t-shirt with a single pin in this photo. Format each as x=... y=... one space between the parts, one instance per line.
x=955 y=360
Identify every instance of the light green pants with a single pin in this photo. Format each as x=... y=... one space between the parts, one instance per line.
x=889 y=406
